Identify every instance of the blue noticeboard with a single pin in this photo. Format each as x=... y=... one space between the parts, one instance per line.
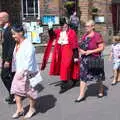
x=48 y=18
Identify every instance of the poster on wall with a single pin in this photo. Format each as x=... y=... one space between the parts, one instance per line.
x=99 y=19
x=27 y=28
x=33 y=31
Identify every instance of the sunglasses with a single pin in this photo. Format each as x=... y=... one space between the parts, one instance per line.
x=89 y=26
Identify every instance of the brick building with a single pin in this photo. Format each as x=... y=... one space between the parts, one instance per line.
x=104 y=12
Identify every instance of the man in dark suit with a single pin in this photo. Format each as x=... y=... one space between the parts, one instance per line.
x=8 y=45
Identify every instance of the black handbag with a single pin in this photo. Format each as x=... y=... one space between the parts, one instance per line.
x=95 y=62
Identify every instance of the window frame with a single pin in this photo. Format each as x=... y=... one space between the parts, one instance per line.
x=30 y=15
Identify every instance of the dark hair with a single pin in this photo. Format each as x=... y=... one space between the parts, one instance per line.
x=62 y=21
x=18 y=28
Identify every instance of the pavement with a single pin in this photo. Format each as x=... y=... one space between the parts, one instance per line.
x=54 y=106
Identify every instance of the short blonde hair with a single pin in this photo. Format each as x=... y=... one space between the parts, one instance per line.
x=90 y=22
x=116 y=38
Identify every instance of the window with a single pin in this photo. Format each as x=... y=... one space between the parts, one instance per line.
x=30 y=9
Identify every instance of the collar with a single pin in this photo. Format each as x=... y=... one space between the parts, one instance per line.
x=6 y=25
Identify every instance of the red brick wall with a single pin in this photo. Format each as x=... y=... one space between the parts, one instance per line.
x=103 y=7
x=49 y=7
x=84 y=10
x=13 y=7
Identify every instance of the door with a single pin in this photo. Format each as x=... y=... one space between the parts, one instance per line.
x=116 y=17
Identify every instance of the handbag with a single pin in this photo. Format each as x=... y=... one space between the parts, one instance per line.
x=35 y=80
x=95 y=62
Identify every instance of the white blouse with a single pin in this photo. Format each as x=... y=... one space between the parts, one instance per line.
x=24 y=58
x=63 y=39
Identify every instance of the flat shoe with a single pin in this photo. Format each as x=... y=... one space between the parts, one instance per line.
x=17 y=115
x=30 y=114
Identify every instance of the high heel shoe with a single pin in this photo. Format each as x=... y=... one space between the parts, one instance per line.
x=17 y=114
x=80 y=99
x=30 y=114
x=113 y=83
x=100 y=95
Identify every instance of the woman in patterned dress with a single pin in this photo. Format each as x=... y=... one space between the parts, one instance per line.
x=91 y=44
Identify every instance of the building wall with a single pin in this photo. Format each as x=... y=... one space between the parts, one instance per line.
x=104 y=10
x=55 y=7
x=49 y=7
x=105 y=28
x=84 y=10
x=13 y=7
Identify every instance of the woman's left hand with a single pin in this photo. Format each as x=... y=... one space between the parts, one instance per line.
x=76 y=60
x=88 y=52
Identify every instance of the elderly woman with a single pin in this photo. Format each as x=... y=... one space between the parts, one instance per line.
x=23 y=61
x=91 y=46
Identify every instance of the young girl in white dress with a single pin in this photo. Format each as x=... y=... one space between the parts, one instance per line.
x=115 y=55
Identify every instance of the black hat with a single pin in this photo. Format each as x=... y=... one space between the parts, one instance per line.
x=62 y=21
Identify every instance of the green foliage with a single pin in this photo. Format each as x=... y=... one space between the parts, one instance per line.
x=70 y=7
x=94 y=9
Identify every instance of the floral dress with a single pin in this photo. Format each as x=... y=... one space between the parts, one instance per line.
x=85 y=73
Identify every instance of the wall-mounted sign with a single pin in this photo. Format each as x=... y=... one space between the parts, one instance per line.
x=99 y=19
x=33 y=31
x=49 y=18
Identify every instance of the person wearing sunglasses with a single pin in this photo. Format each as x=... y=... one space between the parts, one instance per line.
x=91 y=61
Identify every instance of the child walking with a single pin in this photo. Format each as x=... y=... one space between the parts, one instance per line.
x=115 y=56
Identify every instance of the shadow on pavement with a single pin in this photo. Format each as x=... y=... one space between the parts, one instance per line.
x=58 y=83
x=44 y=103
x=93 y=90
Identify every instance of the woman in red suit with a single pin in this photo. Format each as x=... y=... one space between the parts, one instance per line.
x=65 y=54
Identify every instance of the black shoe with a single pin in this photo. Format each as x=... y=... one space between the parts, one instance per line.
x=80 y=100
x=7 y=99
x=114 y=83
x=12 y=102
x=76 y=83
x=62 y=90
x=66 y=85
x=11 y=97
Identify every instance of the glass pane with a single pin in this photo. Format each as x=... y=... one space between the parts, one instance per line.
x=30 y=6
x=24 y=6
x=36 y=6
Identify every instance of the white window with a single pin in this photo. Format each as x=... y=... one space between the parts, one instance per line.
x=30 y=9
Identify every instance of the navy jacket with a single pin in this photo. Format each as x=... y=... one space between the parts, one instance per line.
x=7 y=45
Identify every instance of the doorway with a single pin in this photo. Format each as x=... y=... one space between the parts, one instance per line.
x=116 y=17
